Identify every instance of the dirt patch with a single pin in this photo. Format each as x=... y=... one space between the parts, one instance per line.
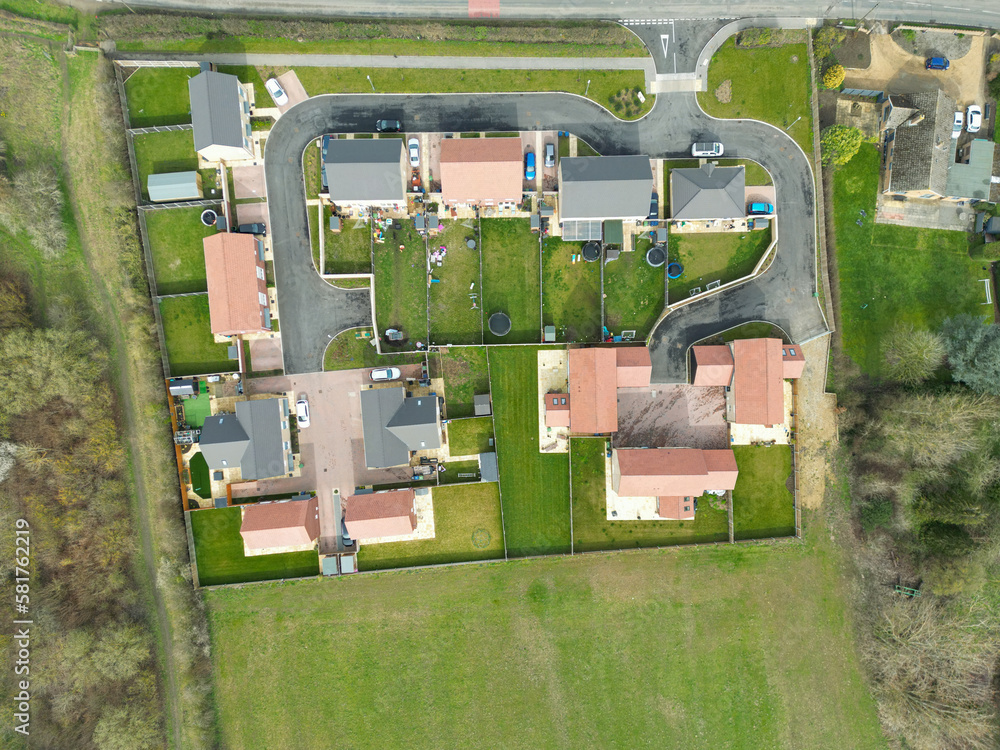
x=725 y=92
x=815 y=424
x=931 y=43
x=855 y=51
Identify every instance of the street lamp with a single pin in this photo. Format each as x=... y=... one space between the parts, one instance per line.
x=588 y=87
x=370 y=82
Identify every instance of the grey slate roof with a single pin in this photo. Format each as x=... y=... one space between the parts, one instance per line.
x=488 y=471
x=223 y=441
x=972 y=180
x=365 y=170
x=708 y=192
x=394 y=425
x=481 y=406
x=920 y=152
x=605 y=187
x=993 y=225
x=265 y=456
x=173 y=186
x=215 y=110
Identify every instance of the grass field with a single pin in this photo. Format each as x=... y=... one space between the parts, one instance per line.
x=159 y=96
x=175 y=242
x=510 y=279
x=170 y=151
x=219 y=550
x=891 y=274
x=762 y=503
x=716 y=256
x=346 y=352
x=593 y=531
x=466 y=527
x=634 y=292
x=191 y=349
x=401 y=284
x=535 y=486
x=467 y=437
x=454 y=320
x=769 y=84
x=571 y=292
x=465 y=375
x=731 y=647
x=351 y=250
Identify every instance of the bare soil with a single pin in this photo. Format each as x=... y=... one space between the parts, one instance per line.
x=816 y=424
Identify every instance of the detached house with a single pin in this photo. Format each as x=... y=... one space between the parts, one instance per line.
x=395 y=424
x=220 y=117
x=708 y=193
x=254 y=443
x=288 y=525
x=595 y=375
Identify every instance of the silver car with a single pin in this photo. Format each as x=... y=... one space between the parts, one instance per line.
x=385 y=373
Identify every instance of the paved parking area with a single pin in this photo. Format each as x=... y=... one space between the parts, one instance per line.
x=248 y=182
x=265 y=354
x=251 y=213
x=293 y=87
x=671 y=415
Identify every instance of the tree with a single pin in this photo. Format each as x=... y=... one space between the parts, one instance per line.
x=945 y=539
x=911 y=355
x=834 y=76
x=125 y=728
x=840 y=143
x=973 y=350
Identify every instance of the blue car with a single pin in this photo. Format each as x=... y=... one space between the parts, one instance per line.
x=529 y=165
x=760 y=209
x=937 y=63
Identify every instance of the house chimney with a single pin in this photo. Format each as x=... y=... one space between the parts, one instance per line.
x=914 y=119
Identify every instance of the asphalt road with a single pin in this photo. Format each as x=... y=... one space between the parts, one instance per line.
x=312 y=311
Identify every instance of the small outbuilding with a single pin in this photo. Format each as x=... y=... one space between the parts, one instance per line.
x=174 y=186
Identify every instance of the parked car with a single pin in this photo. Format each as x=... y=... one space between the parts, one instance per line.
x=654 y=207
x=529 y=165
x=277 y=93
x=302 y=413
x=760 y=209
x=414 y=146
x=388 y=126
x=707 y=149
x=937 y=63
x=550 y=155
x=385 y=373
x=974 y=114
x=958 y=125
x=256 y=228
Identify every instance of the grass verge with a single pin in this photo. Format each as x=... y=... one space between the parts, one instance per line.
x=571 y=292
x=635 y=292
x=762 y=503
x=511 y=280
x=191 y=348
x=175 y=242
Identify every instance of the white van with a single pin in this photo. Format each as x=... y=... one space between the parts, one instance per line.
x=707 y=149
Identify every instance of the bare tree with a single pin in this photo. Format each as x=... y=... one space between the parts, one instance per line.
x=912 y=355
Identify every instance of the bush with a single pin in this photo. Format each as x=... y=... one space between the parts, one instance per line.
x=755 y=37
x=945 y=539
x=953 y=576
x=840 y=143
x=827 y=40
x=909 y=35
x=912 y=356
x=973 y=352
x=833 y=77
x=876 y=513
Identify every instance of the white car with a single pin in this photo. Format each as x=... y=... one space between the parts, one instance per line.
x=385 y=373
x=707 y=149
x=956 y=128
x=414 y=145
x=974 y=114
x=277 y=93
x=302 y=413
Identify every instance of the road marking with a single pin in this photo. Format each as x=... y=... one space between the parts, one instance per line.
x=665 y=41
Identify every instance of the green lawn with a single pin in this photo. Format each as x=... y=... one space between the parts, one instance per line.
x=571 y=292
x=350 y=251
x=754 y=173
x=603 y=83
x=510 y=279
x=467 y=437
x=593 y=531
x=465 y=375
x=200 y=481
x=466 y=527
x=175 y=242
x=762 y=504
x=347 y=352
x=714 y=256
x=311 y=171
x=634 y=292
x=731 y=647
x=535 y=486
x=191 y=348
x=170 y=151
x=456 y=318
x=250 y=74
x=401 y=284
x=769 y=84
x=219 y=550
x=159 y=96
x=891 y=274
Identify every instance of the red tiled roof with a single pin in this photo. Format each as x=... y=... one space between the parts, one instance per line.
x=672 y=472
x=291 y=523
x=793 y=361
x=233 y=285
x=713 y=365
x=556 y=413
x=634 y=366
x=675 y=508
x=380 y=514
x=481 y=170
x=758 y=385
x=593 y=384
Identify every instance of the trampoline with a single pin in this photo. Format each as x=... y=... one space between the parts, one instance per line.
x=674 y=270
x=208 y=217
x=656 y=256
x=499 y=324
x=591 y=251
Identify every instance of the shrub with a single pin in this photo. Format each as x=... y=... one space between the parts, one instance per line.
x=840 y=143
x=876 y=513
x=911 y=355
x=909 y=35
x=952 y=576
x=827 y=40
x=945 y=539
x=755 y=37
x=833 y=77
